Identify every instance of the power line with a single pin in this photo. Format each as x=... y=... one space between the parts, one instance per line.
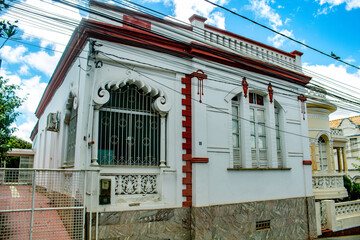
x=206 y=104
x=283 y=35
x=88 y=10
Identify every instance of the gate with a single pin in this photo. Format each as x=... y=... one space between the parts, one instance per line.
x=42 y=204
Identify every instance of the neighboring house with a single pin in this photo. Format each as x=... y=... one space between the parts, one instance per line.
x=26 y=157
x=196 y=131
x=327 y=147
x=350 y=128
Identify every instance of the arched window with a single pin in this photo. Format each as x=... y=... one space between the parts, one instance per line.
x=323 y=154
x=278 y=137
x=258 y=131
x=129 y=129
x=236 y=131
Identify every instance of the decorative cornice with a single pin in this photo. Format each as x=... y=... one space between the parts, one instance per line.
x=317 y=116
x=101 y=94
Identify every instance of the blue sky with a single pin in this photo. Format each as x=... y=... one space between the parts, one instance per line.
x=328 y=25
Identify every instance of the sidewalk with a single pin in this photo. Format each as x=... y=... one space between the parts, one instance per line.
x=353 y=237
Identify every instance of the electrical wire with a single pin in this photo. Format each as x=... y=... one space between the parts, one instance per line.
x=281 y=34
x=84 y=9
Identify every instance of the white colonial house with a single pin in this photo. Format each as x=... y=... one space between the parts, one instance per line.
x=196 y=132
x=350 y=129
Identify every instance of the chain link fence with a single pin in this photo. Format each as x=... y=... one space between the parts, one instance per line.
x=42 y=204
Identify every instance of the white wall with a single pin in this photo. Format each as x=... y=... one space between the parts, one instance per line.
x=213 y=183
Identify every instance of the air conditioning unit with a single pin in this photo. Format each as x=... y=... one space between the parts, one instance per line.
x=52 y=123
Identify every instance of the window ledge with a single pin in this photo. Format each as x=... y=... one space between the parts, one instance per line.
x=128 y=166
x=256 y=169
x=67 y=166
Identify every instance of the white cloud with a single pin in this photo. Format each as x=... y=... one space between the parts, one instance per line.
x=42 y=61
x=279 y=40
x=343 y=81
x=13 y=55
x=23 y=130
x=32 y=89
x=262 y=9
x=183 y=9
x=49 y=32
x=329 y=4
x=350 y=60
x=24 y=70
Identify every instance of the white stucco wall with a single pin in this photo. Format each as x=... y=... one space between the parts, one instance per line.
x=213 y=183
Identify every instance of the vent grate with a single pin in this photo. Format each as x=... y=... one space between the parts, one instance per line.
x=262 y=225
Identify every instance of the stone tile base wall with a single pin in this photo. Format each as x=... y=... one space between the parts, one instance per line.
x=289 y=219
x=143 y=225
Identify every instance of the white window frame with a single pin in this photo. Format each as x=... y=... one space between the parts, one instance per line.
x=101 y=95
x=243 y=154
x=130 y=129
x=323 y=158
x=256 y=124
x=353 y=147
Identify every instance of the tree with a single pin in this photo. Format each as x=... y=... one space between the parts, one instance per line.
x=15 y=142
x=9 y=102
x=352 y=188
x=8 y=31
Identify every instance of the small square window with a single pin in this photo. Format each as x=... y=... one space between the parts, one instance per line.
x=262 y=225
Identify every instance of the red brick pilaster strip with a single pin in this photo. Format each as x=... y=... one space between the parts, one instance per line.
x=186 y=134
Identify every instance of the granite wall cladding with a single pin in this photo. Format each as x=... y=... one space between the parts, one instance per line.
x=144 y=225
x=289 y=219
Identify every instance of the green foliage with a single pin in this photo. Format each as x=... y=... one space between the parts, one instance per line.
x=9 y=102
x=7 y=31
x=352 y=188
x=3 y=4
x=356 y=165
x=15 y=142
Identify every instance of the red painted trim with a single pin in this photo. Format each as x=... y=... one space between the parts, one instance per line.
x=302 y=98
x=74 y=46
x=143 y=39
x=186 y=134
x=187 y=146
x=230 y=34
x=271 y=92
x=296 y=52
x=199 y=160
x=187 y=157
x=245 y=86
x=134 y=21
x=197 y=17
x=137 y=14
x=34 y=132
x=307 y=162
x=231 y=59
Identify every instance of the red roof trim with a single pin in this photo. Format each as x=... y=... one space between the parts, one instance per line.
x=34 y=132
x=296 y=52
x=137 y=14
x=248 y=40
x=143 y=39
x=238 y=61
x=73 y=48
x=197 y=17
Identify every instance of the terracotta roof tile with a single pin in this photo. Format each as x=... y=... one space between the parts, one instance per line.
x=335 y=123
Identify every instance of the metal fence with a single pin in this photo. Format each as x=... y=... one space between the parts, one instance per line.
x=42 y=204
